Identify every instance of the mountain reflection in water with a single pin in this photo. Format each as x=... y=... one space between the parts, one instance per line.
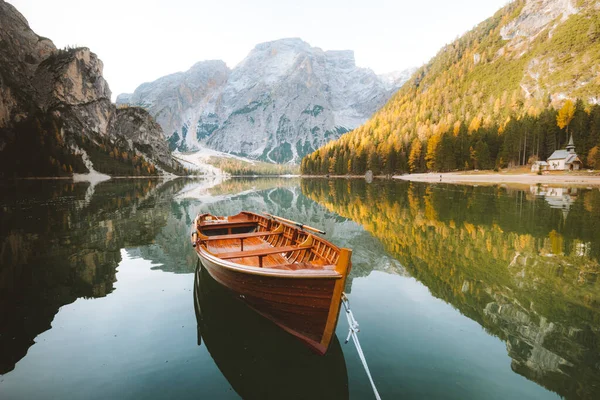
x=59 y=242
x=525 y=271
x=522 y=263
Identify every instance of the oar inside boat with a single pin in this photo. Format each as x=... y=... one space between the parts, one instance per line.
x=298 y=224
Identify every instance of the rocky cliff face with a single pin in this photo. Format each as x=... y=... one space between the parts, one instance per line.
x=173 y=99
x=143 y=133
x=536 y=16
x=70 y=83
x=283 y=100
x=55 y=105
x=21 y=50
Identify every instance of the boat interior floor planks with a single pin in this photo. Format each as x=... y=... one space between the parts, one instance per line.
x=246 y=234
x=220 y=247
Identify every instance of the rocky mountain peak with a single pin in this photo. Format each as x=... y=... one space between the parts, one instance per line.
x=142 y=132
x=24 y=44
x=396 y=78
x=21 y=50
x=283 y=100
x=270 y=61
x=285 y=44
x=124 y=98
x=72 y=77
x=343 y=59
x=55 y=111
x=536 y=15
x=207 y=67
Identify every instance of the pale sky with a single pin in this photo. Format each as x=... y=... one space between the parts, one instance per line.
x=142 y=40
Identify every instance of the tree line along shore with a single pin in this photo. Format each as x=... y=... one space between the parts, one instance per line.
x=518 y=142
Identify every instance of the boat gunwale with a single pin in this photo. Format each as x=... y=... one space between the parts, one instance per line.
x=202 y=251
x=271 y=272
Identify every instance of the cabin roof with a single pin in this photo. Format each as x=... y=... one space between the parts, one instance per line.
x=559 y=155
x=564 y=155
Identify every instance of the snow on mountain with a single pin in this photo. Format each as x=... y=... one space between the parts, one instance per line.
x=397 y=78
x=284 y=100
x=199 y=160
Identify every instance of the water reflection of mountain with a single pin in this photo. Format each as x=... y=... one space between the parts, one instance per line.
x=171 y=247
x=60 y=241
x=520 y=268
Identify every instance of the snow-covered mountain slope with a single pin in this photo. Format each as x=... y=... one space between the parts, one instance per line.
x=199 y=161
x=284 y=100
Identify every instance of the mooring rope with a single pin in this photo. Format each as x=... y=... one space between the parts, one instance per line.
x=352 y=332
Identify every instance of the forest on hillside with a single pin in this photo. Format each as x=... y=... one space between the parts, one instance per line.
x=39 y=147
x=461 y=147
x=490 y=99
x=238 y=167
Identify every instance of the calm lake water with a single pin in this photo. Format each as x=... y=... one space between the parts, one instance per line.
x=462 y=292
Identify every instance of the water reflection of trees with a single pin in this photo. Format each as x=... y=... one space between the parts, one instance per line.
x=171 y=248
x=526 y=272
x=59 y=243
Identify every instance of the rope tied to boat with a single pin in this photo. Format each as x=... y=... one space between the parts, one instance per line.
x=353 y=330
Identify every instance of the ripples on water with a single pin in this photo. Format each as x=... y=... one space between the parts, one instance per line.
x=461 y=292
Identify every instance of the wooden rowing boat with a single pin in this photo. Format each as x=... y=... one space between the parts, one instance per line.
x=260 y=360
x=278 y=267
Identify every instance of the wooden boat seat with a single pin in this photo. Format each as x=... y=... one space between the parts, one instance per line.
x=243 y=235
x=261 y=252
x=302 y=265
x=214 y=225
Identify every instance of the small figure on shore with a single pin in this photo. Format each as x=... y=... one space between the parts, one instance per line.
x=440 y=178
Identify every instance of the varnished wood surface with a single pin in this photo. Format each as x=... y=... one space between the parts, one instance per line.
x=227 y=225
x=242 y=235
x=259 y=360
x=300 y=306
x=270 y=234
x=223 y=248
x=294 y=278
x=262 y=252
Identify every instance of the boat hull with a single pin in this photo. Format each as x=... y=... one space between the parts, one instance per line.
x=259 y=360
x=307 y=308
x=290 y=276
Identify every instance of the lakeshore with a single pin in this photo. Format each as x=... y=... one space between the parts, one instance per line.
x=502 y=177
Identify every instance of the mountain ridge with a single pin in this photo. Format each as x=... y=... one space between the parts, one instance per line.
x=280 y=102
